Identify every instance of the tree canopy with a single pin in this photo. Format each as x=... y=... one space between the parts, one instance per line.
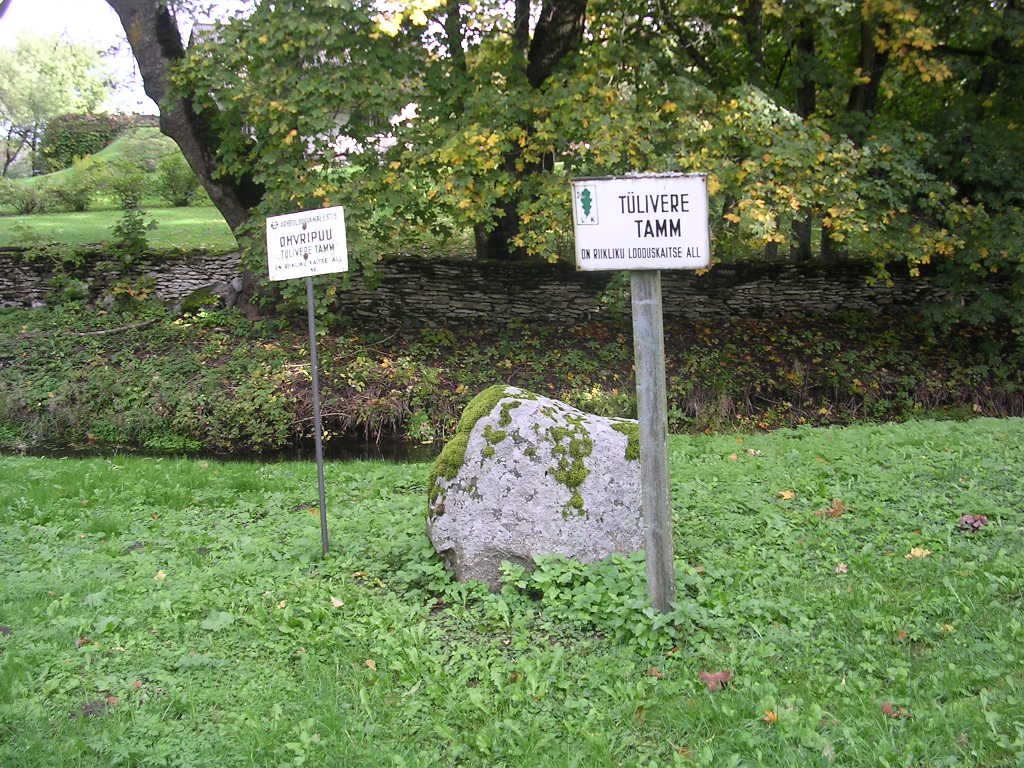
x=40 y=78
x=887 y=130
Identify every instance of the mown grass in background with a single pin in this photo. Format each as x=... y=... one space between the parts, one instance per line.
x=173 y=613
x=198 y=227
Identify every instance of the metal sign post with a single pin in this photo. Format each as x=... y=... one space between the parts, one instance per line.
x=644 y=223
x=317 y=424
x=303 y=245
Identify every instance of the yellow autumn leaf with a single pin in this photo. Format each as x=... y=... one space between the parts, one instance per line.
x=917 y=552
x=787 y=495
x=160 y=576
x=370 y=664
x=732 y=217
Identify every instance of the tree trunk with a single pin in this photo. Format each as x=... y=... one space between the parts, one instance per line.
x=806 y=104
x=156 y=43
x=559 y=33
x=863 y=98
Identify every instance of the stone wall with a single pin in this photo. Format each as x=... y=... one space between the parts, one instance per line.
x=418 y=291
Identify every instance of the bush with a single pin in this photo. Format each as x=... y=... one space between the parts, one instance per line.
x=25 y=198
x=127 y=183
x=77 y=190
x=175 y=181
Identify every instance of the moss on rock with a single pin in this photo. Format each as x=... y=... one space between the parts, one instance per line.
x=632 y=432
x=447 y=465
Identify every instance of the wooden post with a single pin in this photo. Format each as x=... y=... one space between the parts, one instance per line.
x=652 y=410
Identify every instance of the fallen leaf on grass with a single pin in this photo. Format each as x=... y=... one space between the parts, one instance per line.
x=842 y=568
x=160 y=576
x=83 y=640
x=770 y=716
x=715 y=680
x=972 y=523
x=655 y=673
x=917 y=553
x=370 y=664
x=835 y=509
x=896 y=713
x=336 y=603
x=787 y=495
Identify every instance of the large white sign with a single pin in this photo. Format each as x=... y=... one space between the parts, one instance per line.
x=645 y=221
x=306 y=243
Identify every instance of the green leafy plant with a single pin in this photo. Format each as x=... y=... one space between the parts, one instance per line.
x=175 y=181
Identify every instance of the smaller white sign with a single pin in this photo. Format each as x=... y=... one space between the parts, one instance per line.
x=642 y=221
x=307 y=243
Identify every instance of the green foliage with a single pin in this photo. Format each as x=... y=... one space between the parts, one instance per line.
x=25 y=199
x=76 y=191
x=155 y=608
x=71 y=137
x=735 y=375
x=175 y=181
x=40 y=79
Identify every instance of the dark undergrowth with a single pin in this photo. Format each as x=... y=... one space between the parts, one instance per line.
x=217 y=383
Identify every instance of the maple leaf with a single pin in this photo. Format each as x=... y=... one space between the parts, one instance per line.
x=715 y=680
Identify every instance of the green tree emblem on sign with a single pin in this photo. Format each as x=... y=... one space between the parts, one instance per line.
x=586 y=201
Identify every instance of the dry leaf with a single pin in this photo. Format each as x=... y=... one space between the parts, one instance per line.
x=655 y=672
x=835 y=509
x=370 y=664
x=733 y=457
x=715 y=680
x=917 y=553
x=83 y=640
x=896 y=713
x=787 y=495
x=770 y=716
x=160 y=576
x=842 y=568
x=336 y=602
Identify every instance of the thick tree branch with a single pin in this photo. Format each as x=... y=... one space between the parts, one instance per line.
x=156 y=43
x=559 y=32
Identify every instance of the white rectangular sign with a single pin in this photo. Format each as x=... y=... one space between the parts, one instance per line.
x=643 y=221
x=306 y=243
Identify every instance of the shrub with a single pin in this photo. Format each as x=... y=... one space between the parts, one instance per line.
x=127 y=183
x=175 y=181
x=77 y=190
x=25 y=197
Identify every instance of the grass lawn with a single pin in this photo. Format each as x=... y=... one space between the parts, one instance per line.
x=178 y=613
x=192 y=227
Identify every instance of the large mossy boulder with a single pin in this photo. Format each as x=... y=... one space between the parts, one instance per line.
x=526 y=476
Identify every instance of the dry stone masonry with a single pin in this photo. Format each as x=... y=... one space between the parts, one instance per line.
x=412 y=290
x=527 y=476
